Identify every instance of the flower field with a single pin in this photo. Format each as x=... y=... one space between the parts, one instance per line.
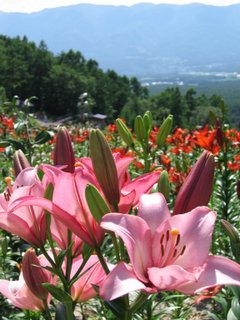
x=119 y=223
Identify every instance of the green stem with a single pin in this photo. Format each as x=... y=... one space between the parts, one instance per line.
x=101 y=259
x=115 y=245
x=69 y=257
x=137 y=304
x=46 y=313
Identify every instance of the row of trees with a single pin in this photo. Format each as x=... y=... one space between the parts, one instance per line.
x=59 y=80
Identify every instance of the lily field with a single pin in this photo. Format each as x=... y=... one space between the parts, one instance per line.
x=118 y=222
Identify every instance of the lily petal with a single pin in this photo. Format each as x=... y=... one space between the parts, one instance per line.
x=170 y=277
x=195 y=230
x=218 y=270
x=120 y=281
x=20 y=296
x=142 y=184
x=153 y=209
x=136 y=235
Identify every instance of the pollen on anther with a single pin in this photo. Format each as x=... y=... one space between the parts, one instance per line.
x=174 y=232
x=77 y=164
x=8 y=181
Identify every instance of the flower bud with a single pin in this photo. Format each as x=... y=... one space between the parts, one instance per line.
x=219 y=134
x=163 y=184
x=164 y=130
x=231 y=231
x=124 y=132
x=233 y=234
x=139 y=129
x=148 y=120
x=197 y=188
x=104 y=166
x=63 y=151
x=20 y=162
x=34 y=275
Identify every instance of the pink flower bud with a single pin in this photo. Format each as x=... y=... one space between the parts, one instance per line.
x=20 y=162
x=197 y=188
x=34 y=275
x=63 y=151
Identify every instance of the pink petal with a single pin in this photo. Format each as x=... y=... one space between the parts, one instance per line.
x=170 y=277
x=26 y=177
x=218 y=270
x=120 y=281
x=19 y=295
x=142 y=184
x=122 y=164
x=92 y=274
x=153 y=209
x=195 y=229
x=70 y=221
x=126 y=201
x=137 y=237
x=16 y=225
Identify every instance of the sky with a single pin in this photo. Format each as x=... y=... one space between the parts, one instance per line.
x=37 y=5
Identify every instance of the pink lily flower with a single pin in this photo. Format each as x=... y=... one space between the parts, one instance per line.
x=59 y=232
x=68 y=205
x=130 y=190
x=20 y=295
x=166 y=252
x=92 y=274
x=28 y=223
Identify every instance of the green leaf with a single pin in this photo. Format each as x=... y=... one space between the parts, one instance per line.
x=4 y=143
x=87 y=251
x=43 y=136
x=16 y=144
x=58 y=293
x=96 y=203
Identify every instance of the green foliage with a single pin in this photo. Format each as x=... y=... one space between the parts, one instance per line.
x=59 y=81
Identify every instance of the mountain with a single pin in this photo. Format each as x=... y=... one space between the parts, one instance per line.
x=141 y=40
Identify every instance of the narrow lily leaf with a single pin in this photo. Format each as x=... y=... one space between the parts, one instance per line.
x=43 y=136
x=86 y=251
x=58 y=293
x=4 y=144
x=96 y=203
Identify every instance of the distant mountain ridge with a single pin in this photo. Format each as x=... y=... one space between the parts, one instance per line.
x=142 y=40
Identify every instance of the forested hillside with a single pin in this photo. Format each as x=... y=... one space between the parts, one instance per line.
x=27 y=69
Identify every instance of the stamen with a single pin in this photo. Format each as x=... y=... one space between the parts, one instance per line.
x=77 y=164
x=162 y=238
x=178 y=239
x=169 y=249
x=8 y=181
x=174 y=232
x=174 y=253
x=162 y=250
x=183 y=250
x=167 y=235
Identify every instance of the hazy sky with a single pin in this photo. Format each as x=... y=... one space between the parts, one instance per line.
x=36 y=5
